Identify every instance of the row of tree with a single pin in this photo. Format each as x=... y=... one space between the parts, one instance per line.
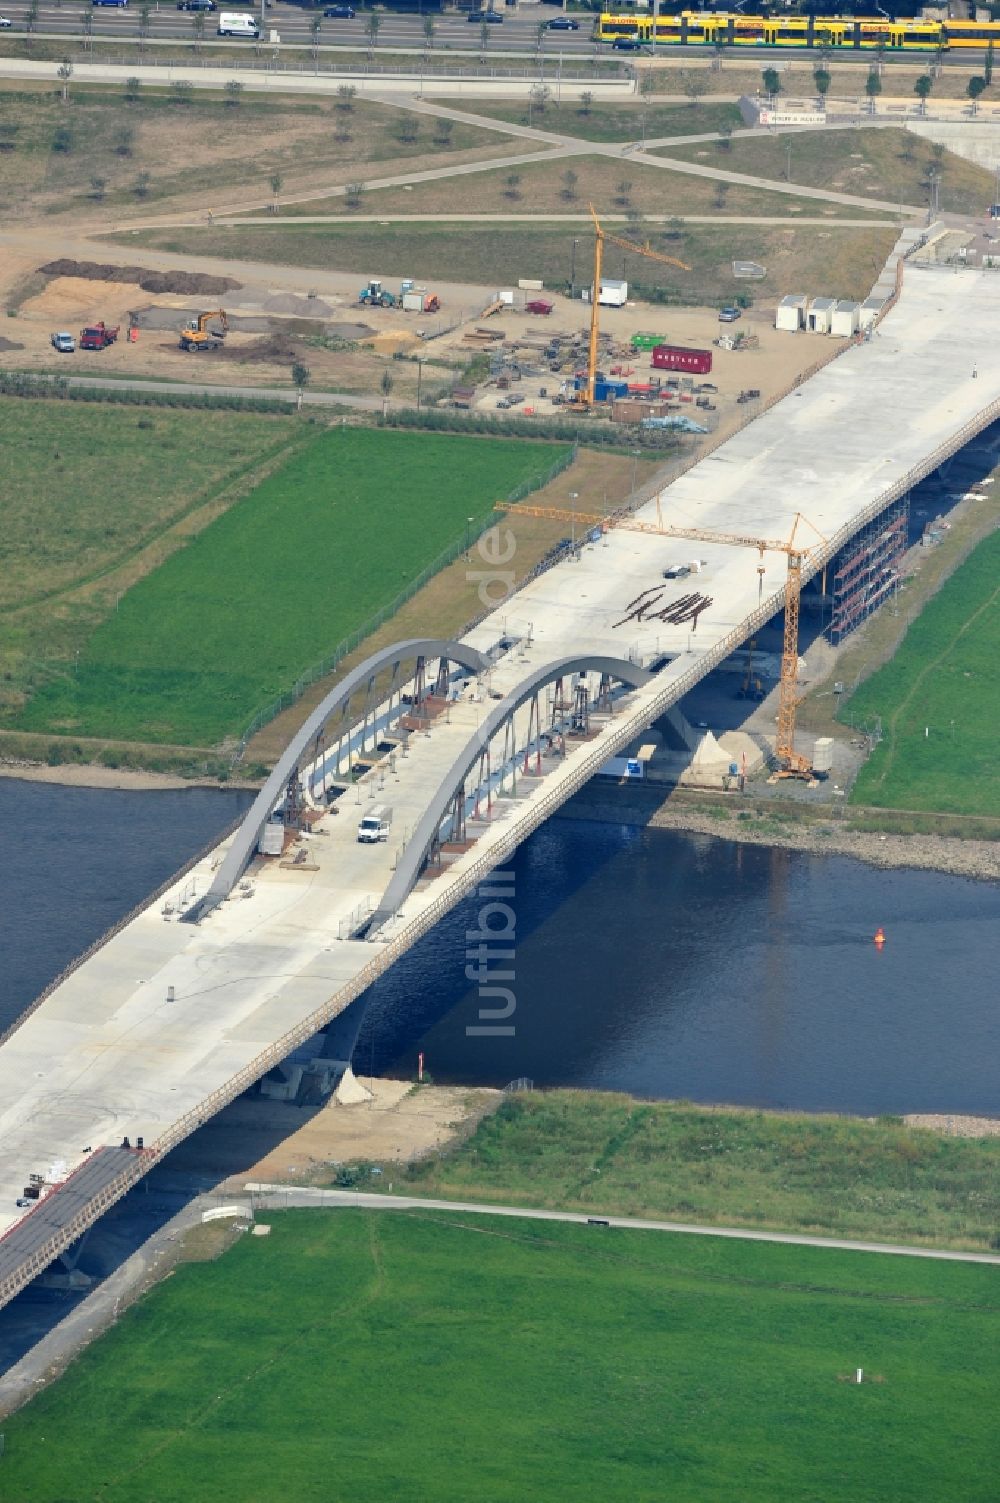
x=922 y=87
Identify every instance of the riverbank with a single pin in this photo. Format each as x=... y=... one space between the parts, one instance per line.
x=791 y=827
x=93 y=775
x=603 y=1153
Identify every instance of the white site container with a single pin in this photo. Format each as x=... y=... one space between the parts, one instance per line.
x=791 y=313
x=823 y=754
x=846 y=319
x=819 y=315
x=870 y=310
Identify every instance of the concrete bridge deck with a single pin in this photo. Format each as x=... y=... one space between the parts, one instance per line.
x=169 y=1021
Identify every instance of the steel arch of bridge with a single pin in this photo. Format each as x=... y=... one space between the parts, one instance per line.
x=248 y=835
x=413 y=857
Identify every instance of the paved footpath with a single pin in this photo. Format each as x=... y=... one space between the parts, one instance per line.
x=278 y=1197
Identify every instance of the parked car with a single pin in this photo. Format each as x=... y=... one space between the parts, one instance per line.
x=493 y=17
x=729 y=315
x=626 y=44
x=563 y=23
x=6 y=23
x=195 y=4
x=22 y=1202
x=64 y=343
x=340 y=12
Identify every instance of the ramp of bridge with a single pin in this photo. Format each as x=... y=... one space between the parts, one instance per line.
x=168 y=1022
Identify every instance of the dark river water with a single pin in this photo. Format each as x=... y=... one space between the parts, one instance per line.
x=645 y=961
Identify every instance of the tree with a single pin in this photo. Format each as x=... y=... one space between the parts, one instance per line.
x=315 y=27
x=674 y=229
x=234 y=90
x=142 y=185
x=276 y=181
x=181 y=90
x=586 y=100
x=721 y=190
x=922 y=89
x=372 y=27
x=199 y=30
x=974 y=88
x=300 y=375
x=98 y=187
x=442 y=131
x=539 y=97
x=540 y=31
x=725 y=138
x=87 y=27
x=124 y=140
x=821 y=78
x=873 y=88
x=568 y=189
x=772 y=82
x=407 y=130
x=718 y=53
x=62 y=140
x=513 y=185
x=693 y=85
x=354 y=193
x=31 y=17
x=386 y=384
x=623 y=193
x=345 y=98
x=484 y=36
x=143 y=25
x=64 y=73
x=646 y=83
x=429 y=30
x=988 y=64
x=132 y=87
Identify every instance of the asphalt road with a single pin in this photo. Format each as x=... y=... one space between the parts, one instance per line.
x=277 y=1197
x=454 y=34
x=273 y=393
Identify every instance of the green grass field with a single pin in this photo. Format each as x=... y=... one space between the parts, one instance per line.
x=93 y=497
x=832 y=1176
x=621 y=121
x=888 y=164
x=939 y=701
x=364 y=1356
x=847 y=261
x=273 y=585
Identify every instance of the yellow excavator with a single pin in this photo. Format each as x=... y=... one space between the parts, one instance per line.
x=197 y=335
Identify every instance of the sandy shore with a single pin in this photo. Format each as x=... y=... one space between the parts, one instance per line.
x=91 y=775
x=979 y=859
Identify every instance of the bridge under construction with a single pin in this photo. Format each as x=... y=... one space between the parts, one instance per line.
x=465 y=748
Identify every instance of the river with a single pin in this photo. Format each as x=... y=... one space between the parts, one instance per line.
x=649 y=961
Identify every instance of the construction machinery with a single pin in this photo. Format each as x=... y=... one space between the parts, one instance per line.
x=376 y=296
x=791 y=764
x=586 y=397
x=197 y=335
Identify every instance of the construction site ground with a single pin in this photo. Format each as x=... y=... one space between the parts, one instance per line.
x=273 y=327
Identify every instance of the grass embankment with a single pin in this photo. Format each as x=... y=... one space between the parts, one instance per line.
x=845 y=261
x=164 y=144
x=94 y=498
x=892 y=165
x=624 y=120
x=829 y=1176
x=194 y=650
x=568 y=186
x=939 y=701
x=364 y=1356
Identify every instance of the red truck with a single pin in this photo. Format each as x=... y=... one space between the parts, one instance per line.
x=539 y=305
x=672 y=357
x=98 y=336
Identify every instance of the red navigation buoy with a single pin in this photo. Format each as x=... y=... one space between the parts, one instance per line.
x=879 y=937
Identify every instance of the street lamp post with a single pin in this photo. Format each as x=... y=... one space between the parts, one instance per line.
x=420 y=372
x=572 y=265
x=574 y=496
x=468 y=537
x=635 y=461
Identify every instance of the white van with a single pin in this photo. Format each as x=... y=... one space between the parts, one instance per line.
x=237 y=24
x=375 y=825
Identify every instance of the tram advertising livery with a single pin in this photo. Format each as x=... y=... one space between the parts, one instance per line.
x=838 y=33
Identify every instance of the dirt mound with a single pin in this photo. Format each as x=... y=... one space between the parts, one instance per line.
x=187 y=283
x=306 y=307
x=276 y=349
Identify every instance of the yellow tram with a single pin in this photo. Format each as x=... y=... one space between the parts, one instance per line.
x=839 y=33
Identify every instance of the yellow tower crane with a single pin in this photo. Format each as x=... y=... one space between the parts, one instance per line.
x=600 y=236
x=791 y=764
